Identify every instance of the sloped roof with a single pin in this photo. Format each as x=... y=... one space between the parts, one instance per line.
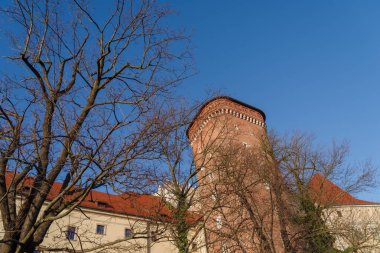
x=131 y=203
x=325 y=192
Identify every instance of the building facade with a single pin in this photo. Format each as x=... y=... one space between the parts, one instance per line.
x=355 y=223
x=111 y=223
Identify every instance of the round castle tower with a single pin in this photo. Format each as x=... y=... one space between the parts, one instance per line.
x=246 y=120
x=221 y=123
x=238 y=192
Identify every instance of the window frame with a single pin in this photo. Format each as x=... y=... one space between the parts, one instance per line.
x=71 y=233
x=101 y=204
x=103 y=231
x=130 y=231
x=219 y=221
x=154 y=236
x=194 y=246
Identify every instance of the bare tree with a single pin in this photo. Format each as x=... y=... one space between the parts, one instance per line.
x=299 y=160
x=243 y=214
x=182 y=180
x=355 y=228
x=256 y=211
x=267 y=201
x=194 y=181
x=79 y=107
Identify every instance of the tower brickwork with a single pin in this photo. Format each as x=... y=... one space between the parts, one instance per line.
x=226 y=137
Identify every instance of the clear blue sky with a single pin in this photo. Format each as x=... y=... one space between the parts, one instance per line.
x=312 y=66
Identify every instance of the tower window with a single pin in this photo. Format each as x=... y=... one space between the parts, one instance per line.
x=214 y=195
x=225 y=249
x=211 y=177
x=219 y=222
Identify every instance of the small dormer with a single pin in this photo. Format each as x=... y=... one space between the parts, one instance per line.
x=24 y=190
x=101 y=204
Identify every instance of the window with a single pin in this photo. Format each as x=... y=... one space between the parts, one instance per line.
x=101 y=204
x=225 y=248
x=214 y=195
x=153 y=236
x=211 y=177
x=163 y=216
x=194 y=246
x=128 y=233
x=219 y=222
x=373 y=230
x=70 y=233
x=266 y=186
x=100 y=229
x=339 y=213
x=24 y=191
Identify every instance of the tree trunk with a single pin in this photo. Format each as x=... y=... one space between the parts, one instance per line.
x=9 y=246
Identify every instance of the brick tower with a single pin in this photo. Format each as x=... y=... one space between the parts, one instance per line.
x=239 y=220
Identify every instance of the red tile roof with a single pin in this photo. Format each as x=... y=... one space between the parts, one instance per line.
x=325 y=192
x=134 y=204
